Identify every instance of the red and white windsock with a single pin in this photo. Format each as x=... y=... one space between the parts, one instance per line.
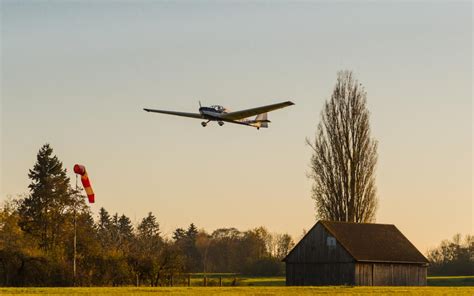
x=81 y=170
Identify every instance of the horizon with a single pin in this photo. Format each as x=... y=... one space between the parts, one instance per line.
x=77 y=75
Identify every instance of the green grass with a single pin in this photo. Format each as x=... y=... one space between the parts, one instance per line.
x=262 y=281
x=235 y=279
x=258 y=291
x=197 y=280
x=261 y=286
x=451 y=281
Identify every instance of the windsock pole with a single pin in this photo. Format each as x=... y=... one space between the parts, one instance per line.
x=75 y=237
x=80 y=170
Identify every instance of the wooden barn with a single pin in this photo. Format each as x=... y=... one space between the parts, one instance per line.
x=362 y=254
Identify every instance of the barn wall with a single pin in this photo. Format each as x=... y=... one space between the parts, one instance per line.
x=363 y=274
x=301 y=274
x=313 y=249
x=313 y=262
x=380 y=274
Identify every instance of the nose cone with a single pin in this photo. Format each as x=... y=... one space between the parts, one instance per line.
x=200 y=109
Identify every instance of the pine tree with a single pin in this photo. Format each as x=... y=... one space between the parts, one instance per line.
x=125 y=228
x=121 y=232
x=193 y=257
x=179 y=234
x=149 y=227
x=44 y=212
x=104 y=228
x=192 y=232
x=104 y=220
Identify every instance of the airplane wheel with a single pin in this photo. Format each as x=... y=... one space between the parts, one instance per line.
x=221 y=123
x=203 y=124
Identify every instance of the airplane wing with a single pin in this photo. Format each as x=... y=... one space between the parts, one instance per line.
x=254 y=111
x=184 y=114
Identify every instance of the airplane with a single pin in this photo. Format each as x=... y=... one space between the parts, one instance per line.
x=221 y=114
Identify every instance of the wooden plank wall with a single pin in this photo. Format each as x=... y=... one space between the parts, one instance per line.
x=313 y=262
x=301 y=274
x=380 y=274
x=363 y=274
x=313 y=249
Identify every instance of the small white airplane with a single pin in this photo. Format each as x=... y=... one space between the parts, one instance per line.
x=221 y=114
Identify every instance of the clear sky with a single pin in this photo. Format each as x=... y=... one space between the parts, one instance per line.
x=77 y=75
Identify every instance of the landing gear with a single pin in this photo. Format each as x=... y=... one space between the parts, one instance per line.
x=204 y=123
x=221 y=123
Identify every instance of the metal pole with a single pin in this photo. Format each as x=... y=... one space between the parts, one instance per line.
x=75 y=236
x=75 y=241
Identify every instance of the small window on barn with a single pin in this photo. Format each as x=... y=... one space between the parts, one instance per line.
x=331 y=242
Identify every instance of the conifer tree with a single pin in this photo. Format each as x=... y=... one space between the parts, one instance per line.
x=43 y=214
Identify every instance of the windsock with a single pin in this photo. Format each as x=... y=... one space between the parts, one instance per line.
x=81 y=170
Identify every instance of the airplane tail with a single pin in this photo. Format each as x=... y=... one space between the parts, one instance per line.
x=262 y=120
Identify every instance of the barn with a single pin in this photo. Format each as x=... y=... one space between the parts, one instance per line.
x=361 y=254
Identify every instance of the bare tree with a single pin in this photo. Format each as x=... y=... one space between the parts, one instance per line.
x=344 y=156
x=284 y=243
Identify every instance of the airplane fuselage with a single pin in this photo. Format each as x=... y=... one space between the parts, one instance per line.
x=214 y=113
x=211 y=113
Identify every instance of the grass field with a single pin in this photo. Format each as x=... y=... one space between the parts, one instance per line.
x=262 y=286
x=213 y=280
x=258 y=291
x=451 y=281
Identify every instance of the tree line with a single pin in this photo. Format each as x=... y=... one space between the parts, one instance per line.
x=453 y=257
x=37 y=241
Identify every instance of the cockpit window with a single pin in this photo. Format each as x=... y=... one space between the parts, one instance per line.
x=218 y=108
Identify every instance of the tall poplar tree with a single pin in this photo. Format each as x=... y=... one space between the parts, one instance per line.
x=344 y=156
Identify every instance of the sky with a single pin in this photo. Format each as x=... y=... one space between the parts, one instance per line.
x=77 y=74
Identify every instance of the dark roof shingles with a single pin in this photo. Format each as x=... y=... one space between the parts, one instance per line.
x=374 y=242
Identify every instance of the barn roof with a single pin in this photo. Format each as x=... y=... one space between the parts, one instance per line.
x=373 y=242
